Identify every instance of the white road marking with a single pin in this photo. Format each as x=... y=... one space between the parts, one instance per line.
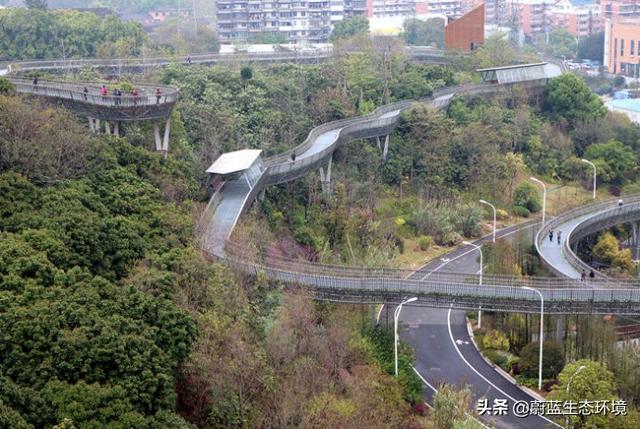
x=480 y=375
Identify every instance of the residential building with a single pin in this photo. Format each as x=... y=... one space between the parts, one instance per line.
x=578 y=19
x=297 y=20
x=159 y=15
x=614 y=9
x=531 y=16
x=621 y=43
x=467 y=32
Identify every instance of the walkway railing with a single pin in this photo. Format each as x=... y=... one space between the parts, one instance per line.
x=74 y=92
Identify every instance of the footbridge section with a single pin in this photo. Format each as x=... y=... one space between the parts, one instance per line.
x=579 y=223
x=109 y=111
x=351 y=284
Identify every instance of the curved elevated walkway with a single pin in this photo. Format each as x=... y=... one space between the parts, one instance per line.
x=577 y=224
x=145 y=106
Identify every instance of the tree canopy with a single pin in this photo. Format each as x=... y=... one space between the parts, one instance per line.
x=571 y=100
x=350 y=27
x=424 y=33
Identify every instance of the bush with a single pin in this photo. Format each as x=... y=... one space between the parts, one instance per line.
x=521 y=211
x=425 y=242
x=526 y=195
x=552 y=361
x=451 y=239
x=495 y=340
x=496 y=357
x=6 y=87
x=502 y=214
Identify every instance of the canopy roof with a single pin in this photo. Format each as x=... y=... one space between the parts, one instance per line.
x=233 y=162
x=519 y=72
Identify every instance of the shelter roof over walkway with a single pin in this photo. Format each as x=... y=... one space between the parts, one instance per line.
x=234 y=162
x=519 y=72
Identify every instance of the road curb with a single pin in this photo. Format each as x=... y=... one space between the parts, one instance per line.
x=497 y=368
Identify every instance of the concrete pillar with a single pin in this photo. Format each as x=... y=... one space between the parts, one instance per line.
x=325 y=177
x=96 y=125
x=107 y=128
x=165 y=140
x=378 y=142
x=116 y=128
x=156 y=137
x=385 y=150
x=635 y=241
x=560 y=322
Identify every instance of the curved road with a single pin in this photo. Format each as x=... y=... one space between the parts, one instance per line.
x=445 y=354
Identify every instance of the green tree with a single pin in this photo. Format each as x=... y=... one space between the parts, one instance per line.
x=495 y=340
x=606 y=248
x=571 y=100
x=552 y=360
x=592 y=47
x=350 y=27
x=561 y=43
x=36 y=4
x=424 y=33
x=450 y=406
x=615 y=161
x=589 y=381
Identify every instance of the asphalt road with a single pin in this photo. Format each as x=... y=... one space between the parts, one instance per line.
x=445 y=354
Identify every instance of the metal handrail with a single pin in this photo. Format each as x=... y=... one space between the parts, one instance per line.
x=75 y=92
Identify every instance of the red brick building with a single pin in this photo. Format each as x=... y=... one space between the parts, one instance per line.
x=467 y=32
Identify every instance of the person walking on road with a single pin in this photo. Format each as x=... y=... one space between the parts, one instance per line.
x=592 y=274
x=158 y=95
x=551 y=236
x=559 y=234
x=35 y=83
x=583 y=276
x=293 y=156
x=85 y=91
x=103 y=91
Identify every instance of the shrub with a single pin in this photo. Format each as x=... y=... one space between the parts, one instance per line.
x=552 y=361
x=526 y=195
x=502 y=214
x=425 y=242
x=521 y=211
x=6 y=87
x=451 y=239
x=496 y=357
x=495 y=340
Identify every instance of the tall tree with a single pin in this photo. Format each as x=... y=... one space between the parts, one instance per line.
x=36 y=4
x=350 y=27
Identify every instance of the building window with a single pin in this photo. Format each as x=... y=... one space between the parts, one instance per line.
x=631 y=48
x=615 y=47
x=622 y=47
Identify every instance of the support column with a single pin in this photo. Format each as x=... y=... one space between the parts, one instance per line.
x=156 y=137
x=635 y=241
x=91 y=124
x=107 y=128
x=96 y=126
x=385 y=150
x=325 y=177
x=116 y=128
x=165 y=140
x=560 y=322
x=378 y=142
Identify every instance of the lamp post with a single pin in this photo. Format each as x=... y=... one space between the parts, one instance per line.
x=396 y=314
x=544 y=198
x=595 y=172
x=494 y=217
x=541 y=332
x=569 y=384
x=479 y=248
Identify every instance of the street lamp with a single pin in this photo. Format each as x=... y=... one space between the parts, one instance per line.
x=396 y=314
x=569 y=384
x=541 y=332
x=544 y=198
x=595 y=172
x=479 y=248
x=494 y=217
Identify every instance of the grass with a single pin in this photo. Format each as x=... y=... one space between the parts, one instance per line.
x=413 y=258
x=562 y=198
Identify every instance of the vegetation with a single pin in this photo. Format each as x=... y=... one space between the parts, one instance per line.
x=350 y=27
x=424 y=33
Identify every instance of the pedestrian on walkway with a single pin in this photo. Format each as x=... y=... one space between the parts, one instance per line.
x=592 y=275
x=115 y=96
x=620 y=202
x=293 y=156
x=551 y=236
x=35 y=83
x=103 y=91
x=583 y=276
x=135 y=96
x=85 y=91
x=559 y=234
x=158 y=95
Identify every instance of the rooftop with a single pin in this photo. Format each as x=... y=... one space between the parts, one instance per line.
x=519 y=73
x=632 y=104
x=233 y=162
